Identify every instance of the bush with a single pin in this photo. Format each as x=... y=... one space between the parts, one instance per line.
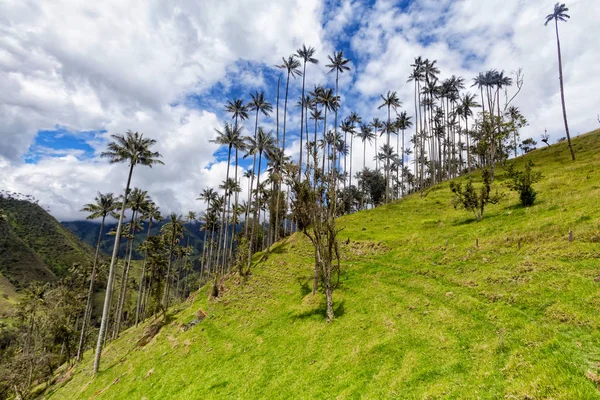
x=471 y=200
x=522 y=181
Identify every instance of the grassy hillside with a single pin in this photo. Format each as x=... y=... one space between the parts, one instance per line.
x=422 y=311
x=56 y=246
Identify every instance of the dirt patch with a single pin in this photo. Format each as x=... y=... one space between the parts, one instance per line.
x=151 y=331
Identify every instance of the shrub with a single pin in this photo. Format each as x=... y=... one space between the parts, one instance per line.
x=471 y=200
x=522 y=182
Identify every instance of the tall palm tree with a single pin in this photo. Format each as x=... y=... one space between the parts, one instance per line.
x=208 y=195
x=264 y=142
x=237 y=109
x=150 y=213
x=138 y=202
x=229 y=136
x=467 y=103
x=291 y=65
x=329 y=102
x=354 y=119
x=417 y=77
x=560 y=14
x=339 y=64
x=306 y=55
x=258 y=104
x=390 y=100
x=377 y=125
x=104 y=206
x=134 y=149
x=403 y=122
x=173 y=231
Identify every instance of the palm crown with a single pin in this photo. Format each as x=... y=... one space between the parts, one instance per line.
x=105 y=205
x=559 y=14
x=132 y=147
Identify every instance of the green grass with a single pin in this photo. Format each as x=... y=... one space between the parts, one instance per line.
x=422 y=312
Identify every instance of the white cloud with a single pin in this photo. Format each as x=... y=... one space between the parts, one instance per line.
x=115 y=66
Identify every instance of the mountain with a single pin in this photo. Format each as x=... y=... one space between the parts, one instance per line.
x=431 y=304
x=34 y=246
x=88 y=231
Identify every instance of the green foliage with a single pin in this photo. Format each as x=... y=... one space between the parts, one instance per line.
x=35 y=246
x=472 y=200
x=528 y=145
x=522 y=182
x=419 y=308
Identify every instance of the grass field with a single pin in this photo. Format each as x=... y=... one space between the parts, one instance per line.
x=422 y=310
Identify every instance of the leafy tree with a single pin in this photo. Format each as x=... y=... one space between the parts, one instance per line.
x=472 y=200
x=560 y=14
x=528 y=145
x=134 y=149
x=522 y=182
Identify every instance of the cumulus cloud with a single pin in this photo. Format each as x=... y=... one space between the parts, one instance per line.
x=165 y=68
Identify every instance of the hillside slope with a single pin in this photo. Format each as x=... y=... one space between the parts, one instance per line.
x=422 y=310
x=56 y=246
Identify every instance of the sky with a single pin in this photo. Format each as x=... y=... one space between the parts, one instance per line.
x=74 y=73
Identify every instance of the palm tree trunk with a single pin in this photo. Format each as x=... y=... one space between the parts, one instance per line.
x=235 y=208
x=301 y=122
x=123 y=289
x=562 y=91
x=141 y=289
x=165 y=299
x=223 y=221
x=88 y=303
x=351 y=143
x=111 y=277
x=254 y=219
x=252 y=176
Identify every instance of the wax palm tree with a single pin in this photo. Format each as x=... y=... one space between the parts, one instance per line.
x=329 y=102
x=237 y=109
x=467 y=103
x=354 y=120
x=377 y=125
x=339 y=64
x=291 y=65
x=306 y=55
x=259 y=105
x=173 y=231
x=347 y=128
x=390 y=100
x=417 y=76
x=230 y=136
x=134 y=149
x=560 y=14
x=151 y=213
x=403 y=122
x=263 y=143
x=138 y=202
x=104 y=206
x=208 y=195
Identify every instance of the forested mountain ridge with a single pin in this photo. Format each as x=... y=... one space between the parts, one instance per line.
x=34 y=246
x=87 y=231
x=430 y=303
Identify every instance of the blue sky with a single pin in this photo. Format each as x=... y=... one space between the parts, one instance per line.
x=167 y=69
